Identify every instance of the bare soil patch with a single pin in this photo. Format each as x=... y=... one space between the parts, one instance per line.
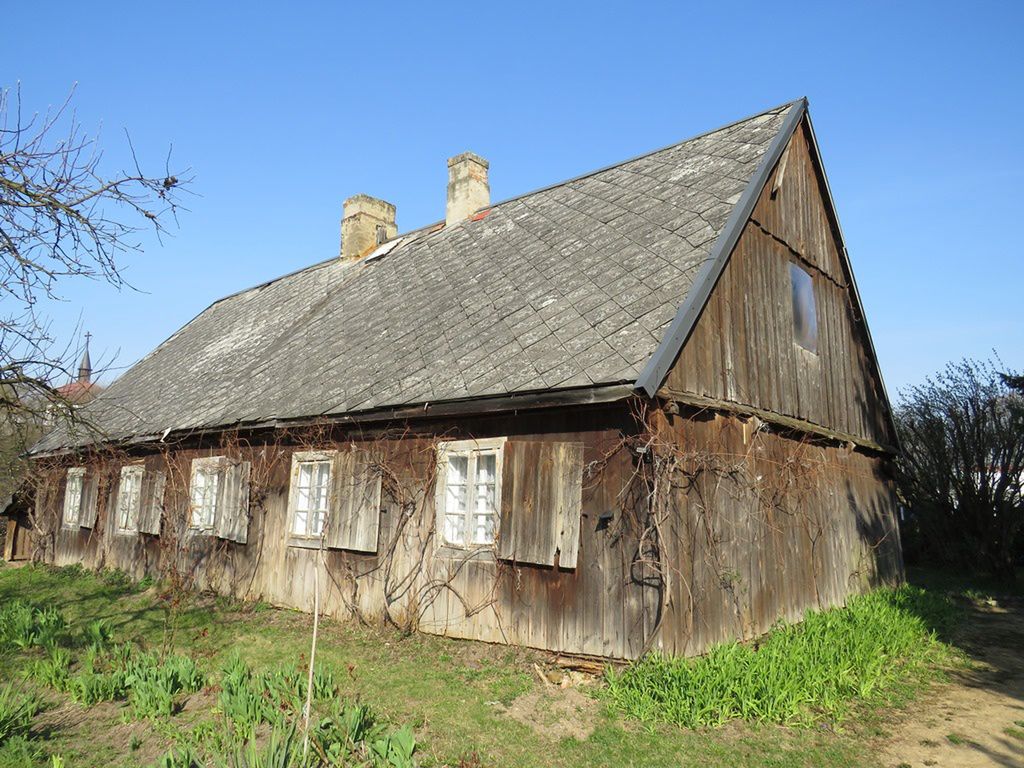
x=556 y=713
x=977 y=717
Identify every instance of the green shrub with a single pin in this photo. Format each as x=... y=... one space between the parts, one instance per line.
x=16 y=712
x=877 y=646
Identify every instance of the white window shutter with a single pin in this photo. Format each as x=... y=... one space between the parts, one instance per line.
x=151 y=502
x=354 y=519
x=541 y=504
x=233 y=506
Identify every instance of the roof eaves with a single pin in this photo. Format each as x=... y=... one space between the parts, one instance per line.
x=658 y=365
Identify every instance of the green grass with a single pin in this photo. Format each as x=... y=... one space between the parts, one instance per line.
x=1015 y=733
x=457 y=699
x=872 y=652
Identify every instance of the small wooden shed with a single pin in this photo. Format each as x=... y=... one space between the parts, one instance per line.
x=636 y=410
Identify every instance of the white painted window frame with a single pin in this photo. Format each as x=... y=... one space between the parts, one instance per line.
x=298 y=459
x=129 y=526
x=72 y=516
x=206 y=466
x=472 y=450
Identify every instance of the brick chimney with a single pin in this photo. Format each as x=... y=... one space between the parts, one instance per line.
x=365 y=223
x=468 y=188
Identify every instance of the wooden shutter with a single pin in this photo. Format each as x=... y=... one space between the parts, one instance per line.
x=90 y=493
x=151 y=502
x=355 y=502
x=541 y=503
x=233 y=505
x=110 y=526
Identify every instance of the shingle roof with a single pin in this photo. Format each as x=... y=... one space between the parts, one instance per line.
x=570 y=286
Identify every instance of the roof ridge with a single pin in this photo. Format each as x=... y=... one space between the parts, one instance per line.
x=641 y=156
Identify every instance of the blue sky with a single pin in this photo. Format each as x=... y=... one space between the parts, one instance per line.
x=282 y=111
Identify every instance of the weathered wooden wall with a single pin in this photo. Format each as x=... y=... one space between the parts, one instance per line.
x=607 y=606
x=764 y=526
x=584 y=610
x=742 y=350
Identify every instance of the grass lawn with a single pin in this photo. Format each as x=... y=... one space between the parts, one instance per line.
x=468 y=704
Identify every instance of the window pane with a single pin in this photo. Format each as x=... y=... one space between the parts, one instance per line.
x=485 y=467
x=205 y=484
x=319 y=494
x=312 y=496
x=454 y=529
x=805 y=317
x=483 y=521
x=457 y=468
x=316 y=526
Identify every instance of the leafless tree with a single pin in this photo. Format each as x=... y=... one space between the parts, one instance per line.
x=962 y=435
x=63 y=215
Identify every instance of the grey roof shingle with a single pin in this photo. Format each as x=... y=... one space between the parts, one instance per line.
x=573 y=285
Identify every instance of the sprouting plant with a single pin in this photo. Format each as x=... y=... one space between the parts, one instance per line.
x=179 y=757
x=16 y=712
x=98 y=635
x=54 y=669
x=394 y=750
x=25 y=626
x=152 y=683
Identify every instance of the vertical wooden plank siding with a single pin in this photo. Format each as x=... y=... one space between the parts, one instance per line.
x=738 y=564
x=749 y=319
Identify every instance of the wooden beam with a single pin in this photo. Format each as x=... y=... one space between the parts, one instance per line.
x=787 y=422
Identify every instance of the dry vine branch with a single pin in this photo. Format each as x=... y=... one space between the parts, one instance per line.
x=63 y=215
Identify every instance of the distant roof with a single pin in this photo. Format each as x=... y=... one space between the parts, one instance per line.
x=79 y=392
x=571 y=286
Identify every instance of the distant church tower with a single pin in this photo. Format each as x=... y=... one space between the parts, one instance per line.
x=83 y=389
x=85 y=367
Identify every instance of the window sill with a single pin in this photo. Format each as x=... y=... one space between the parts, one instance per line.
x=482 y=552
x=306 y=542
x=71 y=527
x=125 y=534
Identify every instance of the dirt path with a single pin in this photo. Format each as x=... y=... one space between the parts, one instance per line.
x=977 y=719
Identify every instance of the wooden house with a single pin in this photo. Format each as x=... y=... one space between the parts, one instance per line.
x=636 y=410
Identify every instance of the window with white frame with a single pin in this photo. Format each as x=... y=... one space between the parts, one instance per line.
x=73 y=496
x=207 y=477
x=310 y=492
x=129 y=499
x=469 y=491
